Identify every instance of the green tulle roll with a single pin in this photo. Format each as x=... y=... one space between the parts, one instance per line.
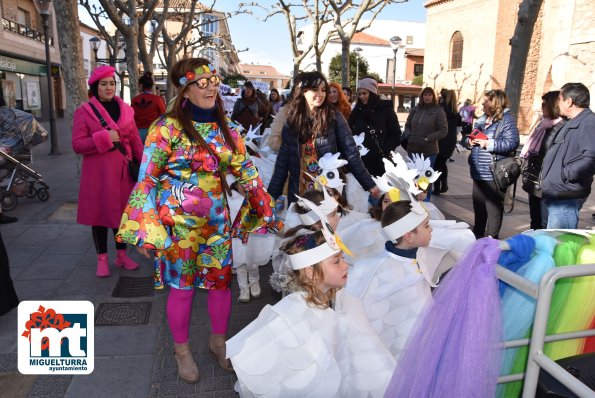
x=579 y=308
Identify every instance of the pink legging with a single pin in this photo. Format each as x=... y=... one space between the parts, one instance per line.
x=179 y=309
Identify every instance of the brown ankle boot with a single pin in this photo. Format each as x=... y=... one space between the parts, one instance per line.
x=217 y=348
x=187 y=369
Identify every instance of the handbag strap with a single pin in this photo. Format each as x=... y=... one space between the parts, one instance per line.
x=496 y=134
x=512 y=199
x=117 y=145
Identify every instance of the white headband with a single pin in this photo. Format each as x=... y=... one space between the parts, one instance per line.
x=313 y=256
x=404 y=225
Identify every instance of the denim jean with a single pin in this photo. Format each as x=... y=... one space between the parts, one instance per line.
x=563 y=213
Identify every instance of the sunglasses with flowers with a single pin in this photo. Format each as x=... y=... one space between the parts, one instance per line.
x=203 y=82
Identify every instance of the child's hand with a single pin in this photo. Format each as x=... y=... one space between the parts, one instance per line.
x=280 y=204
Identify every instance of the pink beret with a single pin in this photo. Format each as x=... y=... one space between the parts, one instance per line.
x=102 y=72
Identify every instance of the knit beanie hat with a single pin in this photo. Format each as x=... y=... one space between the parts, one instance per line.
x=102 y=72
x=369 y=84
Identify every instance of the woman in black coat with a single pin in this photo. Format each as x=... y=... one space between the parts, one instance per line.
x=313 y=128
x=447 y=144
x=534 y=151
x=377 y=119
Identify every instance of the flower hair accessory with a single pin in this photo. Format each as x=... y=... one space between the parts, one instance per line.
x=199 y=70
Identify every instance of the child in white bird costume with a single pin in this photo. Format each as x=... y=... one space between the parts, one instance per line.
x=317 y=341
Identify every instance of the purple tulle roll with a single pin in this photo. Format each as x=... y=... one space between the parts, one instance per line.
x=455 y=350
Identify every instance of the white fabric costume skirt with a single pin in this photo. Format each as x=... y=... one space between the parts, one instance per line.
x=295 y=350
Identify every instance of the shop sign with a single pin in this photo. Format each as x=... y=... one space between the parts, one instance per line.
x=7 y=64
x=21 y=66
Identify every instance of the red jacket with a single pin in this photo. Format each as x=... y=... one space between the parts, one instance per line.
x=105 y=181
x=147 y=107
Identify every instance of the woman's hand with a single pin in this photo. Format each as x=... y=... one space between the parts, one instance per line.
x=148 y=253
x=375 y=192
x=482 y=143
x=114 y=135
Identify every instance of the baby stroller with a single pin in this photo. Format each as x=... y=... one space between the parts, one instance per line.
x=19 y=132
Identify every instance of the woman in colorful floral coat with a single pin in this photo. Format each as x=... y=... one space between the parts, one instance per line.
x=179 y=206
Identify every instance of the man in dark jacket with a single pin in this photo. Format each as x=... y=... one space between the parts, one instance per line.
x=569 y=165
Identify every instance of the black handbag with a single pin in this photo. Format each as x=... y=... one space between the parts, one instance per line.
x=506 y=171
x=133 y=165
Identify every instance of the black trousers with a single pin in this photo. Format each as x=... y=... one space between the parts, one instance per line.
x=8 y=296
x=488 y=206
x=537 y=212
x=440 y=165
x=100 y=240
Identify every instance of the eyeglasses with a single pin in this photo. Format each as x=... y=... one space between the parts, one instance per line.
x=203 y=82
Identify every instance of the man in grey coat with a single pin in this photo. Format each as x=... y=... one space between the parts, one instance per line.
x=569 y=165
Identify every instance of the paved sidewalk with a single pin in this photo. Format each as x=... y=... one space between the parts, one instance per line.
x=52 y=257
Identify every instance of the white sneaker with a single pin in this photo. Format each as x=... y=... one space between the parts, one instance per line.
x=255 y=289
x=244 y=296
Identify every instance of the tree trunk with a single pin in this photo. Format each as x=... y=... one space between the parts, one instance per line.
x=345 y=44
x=318 y=61
x=520 y=43
x=132 y=61
x=71 y=55
x=296 y=69
x=170 y=60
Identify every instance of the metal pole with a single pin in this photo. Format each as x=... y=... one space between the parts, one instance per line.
x=394 y=74
x=54 y=149
x=356 y=70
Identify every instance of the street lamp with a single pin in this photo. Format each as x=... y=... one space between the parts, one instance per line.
x=95 y=42
x=357 y=50
x=395 y=42
x=44 y=7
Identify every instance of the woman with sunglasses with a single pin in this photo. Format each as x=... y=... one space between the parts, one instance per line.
x=178 y=210
x=314 y=127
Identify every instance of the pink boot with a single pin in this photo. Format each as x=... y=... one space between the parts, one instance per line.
x=102 y=266
x=122 y=260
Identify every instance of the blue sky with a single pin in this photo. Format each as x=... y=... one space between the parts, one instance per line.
x=269 y=42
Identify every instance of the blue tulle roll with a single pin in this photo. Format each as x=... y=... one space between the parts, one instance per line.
x=521 y=250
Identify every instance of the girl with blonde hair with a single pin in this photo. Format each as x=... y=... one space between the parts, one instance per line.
x=317 y=334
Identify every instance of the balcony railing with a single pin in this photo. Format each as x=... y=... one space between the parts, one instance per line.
x=24 y=30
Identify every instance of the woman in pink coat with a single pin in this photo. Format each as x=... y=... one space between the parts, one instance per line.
x=105 y=180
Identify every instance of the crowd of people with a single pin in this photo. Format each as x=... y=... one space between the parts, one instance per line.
x=161 y=179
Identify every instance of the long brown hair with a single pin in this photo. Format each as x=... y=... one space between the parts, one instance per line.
x=550 y=104
x=184 y=113
x=451 y=101
x=314 y=296
x=297 y=114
